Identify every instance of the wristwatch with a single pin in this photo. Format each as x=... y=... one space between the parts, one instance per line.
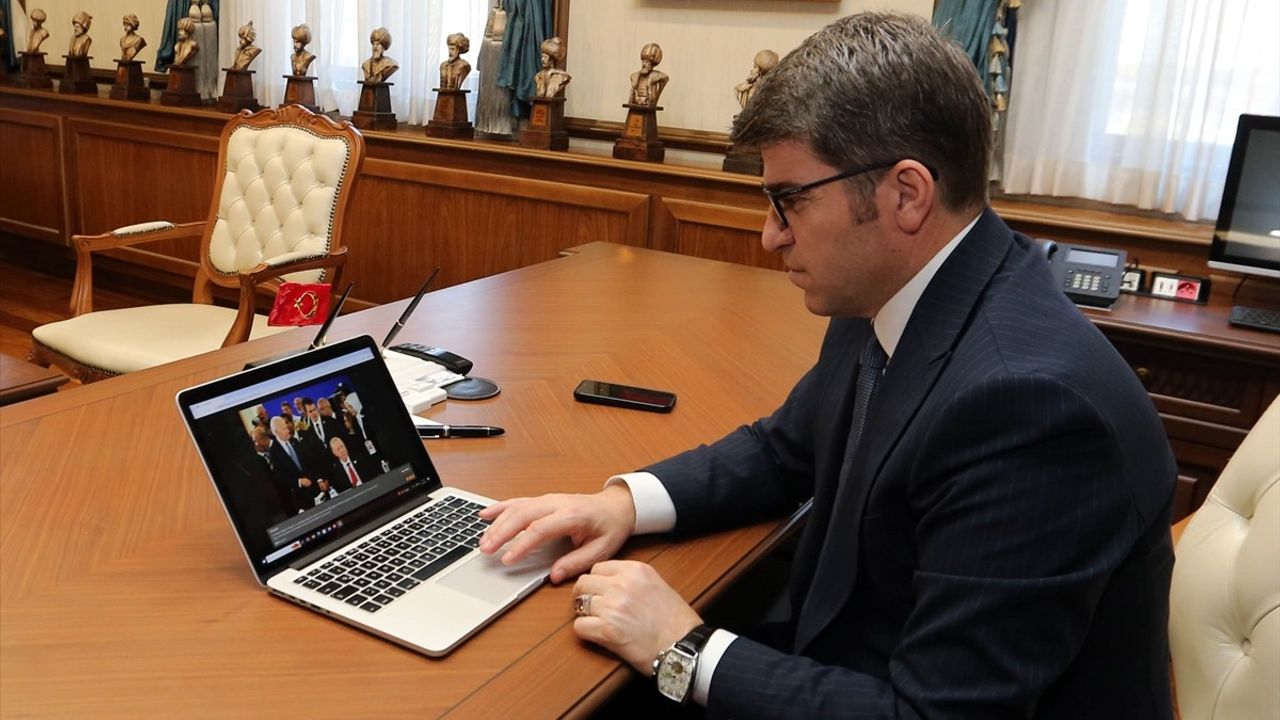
x=676 y=667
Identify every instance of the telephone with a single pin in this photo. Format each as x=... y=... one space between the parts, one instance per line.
x=1088 y=275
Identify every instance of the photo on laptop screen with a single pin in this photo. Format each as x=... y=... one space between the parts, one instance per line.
x=304 y=456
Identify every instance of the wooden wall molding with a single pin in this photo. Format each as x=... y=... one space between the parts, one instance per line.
x=122 y=174
x=472 y=224
x=717 y=232
x=473 y=207
x=32 y=185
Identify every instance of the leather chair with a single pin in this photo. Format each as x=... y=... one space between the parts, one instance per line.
x=1224 y=606
x=286 y=177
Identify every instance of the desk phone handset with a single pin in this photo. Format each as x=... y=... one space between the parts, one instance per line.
x=1088 y=275
x=450 y=361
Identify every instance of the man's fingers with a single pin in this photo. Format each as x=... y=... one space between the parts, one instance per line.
x=538 y=532
x=591 y=629
x=581 y=559
x=612 y=567
x=514 y=518
x=494 y=510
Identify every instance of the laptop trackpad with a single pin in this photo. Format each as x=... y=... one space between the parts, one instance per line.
x=485 y=577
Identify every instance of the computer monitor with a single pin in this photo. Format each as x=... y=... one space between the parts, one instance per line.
x=1247 y=237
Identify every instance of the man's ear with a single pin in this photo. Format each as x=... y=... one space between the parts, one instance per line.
x=916 y=193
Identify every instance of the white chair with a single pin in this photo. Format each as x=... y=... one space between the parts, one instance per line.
x=286 y=177
x=1224 y=605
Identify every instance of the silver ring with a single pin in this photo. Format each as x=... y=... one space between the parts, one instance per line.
x=582 y=605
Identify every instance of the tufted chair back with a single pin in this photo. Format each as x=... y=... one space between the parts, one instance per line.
x=285 y=172
x=1224 y=622
x=286 y=177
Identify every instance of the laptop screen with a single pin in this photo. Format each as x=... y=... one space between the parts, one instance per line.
x=306 y=450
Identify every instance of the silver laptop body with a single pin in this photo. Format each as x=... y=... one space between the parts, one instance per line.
x=340 y=513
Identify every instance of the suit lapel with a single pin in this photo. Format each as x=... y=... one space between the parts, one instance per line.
x=940 y=316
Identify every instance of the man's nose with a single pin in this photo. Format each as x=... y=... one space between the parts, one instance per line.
x=774 y=237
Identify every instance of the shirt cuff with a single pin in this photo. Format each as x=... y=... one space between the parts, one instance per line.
x=655 y=513
x=707 y=661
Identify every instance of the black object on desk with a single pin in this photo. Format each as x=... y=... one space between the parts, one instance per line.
x=459 y=431
x=1256 y=318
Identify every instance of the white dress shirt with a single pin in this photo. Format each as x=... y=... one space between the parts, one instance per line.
x=656 y=513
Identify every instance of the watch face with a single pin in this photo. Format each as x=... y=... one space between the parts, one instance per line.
x=675 y=674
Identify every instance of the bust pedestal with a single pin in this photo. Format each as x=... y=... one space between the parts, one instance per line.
x=639 y=139
x=746 y=161
x=181 y=89
x=77 y=79
x=301 y=90
x=129 y=84
x=546 y=125
x=237 y=92
x=450 y=119
x=374 y=112
x=34 y=74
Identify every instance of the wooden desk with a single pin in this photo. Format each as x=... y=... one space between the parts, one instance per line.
x=123 y=592
x=20 y=380
x=1209 y=379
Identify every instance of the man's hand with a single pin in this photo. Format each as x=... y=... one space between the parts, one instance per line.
x=596 y=524
x=304 y=482
x=634 y=613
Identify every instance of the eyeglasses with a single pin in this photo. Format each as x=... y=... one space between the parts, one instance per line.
x=776 y=197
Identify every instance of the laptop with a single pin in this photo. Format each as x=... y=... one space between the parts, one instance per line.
x=346 y=515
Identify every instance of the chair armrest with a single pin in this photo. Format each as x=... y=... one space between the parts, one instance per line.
x=82 y=288
x=281 y=265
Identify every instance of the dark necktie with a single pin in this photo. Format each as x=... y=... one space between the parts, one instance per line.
x=292 y=452
x=818 y=606
x=870 y=370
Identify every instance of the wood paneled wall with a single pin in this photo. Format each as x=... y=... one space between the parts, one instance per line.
x=76 y=164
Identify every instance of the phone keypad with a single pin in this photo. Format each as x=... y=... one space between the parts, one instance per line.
x=1087 y=281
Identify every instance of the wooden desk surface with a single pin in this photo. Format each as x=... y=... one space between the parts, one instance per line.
x=20 y=380
x=123 y=592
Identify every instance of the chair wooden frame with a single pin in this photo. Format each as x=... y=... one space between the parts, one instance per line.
x=207 y=276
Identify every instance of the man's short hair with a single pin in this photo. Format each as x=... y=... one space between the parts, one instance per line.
x=879 y=87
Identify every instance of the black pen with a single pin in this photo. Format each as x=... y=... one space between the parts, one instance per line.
x=462 y=431
x=413 y=305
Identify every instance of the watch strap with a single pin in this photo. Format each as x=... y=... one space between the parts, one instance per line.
x=696 y=640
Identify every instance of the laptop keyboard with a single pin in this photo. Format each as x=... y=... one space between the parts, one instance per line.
x=380 y=570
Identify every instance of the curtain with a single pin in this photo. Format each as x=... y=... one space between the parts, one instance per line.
x=529 y=22
x=1136 y=103
x=340 y=41
x=7 y=54
x=174 y=11
x=969 y=22
x=986 y=29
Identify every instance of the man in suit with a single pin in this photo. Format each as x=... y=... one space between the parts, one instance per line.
x=264 y=475
x=349 y=471
x=295 y=467
x=322 y=426
x=990 y=484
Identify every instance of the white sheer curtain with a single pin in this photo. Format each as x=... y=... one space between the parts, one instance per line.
x=1135 y=102
x=340 y=40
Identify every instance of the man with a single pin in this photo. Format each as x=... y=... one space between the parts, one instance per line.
x=321 y=426
x=349 y=472
x=294 y=466
x=278 y=499
x=989 y=529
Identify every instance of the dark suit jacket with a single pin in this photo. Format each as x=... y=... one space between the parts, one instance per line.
x=998 y=544
x=332 y=428
x=365 y=468
x=287 y=473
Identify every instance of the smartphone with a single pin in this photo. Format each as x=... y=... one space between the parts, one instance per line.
x=636 y=398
